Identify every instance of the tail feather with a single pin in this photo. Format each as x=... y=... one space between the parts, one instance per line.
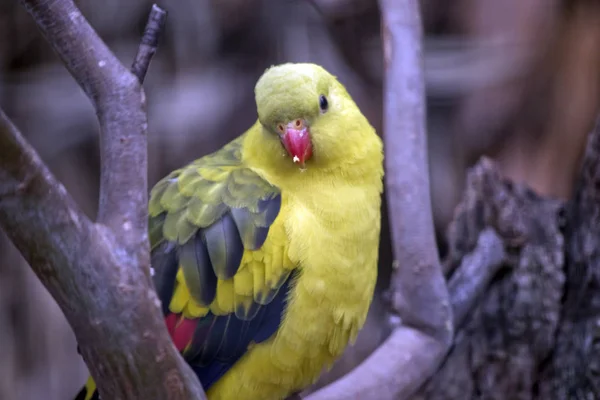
x=89 y=391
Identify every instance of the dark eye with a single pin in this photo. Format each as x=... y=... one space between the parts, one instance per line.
x=323 y=103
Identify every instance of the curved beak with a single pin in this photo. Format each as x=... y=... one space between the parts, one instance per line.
x=297 y=142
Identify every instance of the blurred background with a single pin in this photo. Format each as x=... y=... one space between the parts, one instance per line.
x=518 y=80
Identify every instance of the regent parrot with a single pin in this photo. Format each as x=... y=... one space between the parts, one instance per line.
x=265 y=252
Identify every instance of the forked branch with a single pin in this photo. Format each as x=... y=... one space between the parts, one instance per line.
x=98 y=273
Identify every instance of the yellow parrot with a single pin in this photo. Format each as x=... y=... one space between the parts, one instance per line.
x=264 y=253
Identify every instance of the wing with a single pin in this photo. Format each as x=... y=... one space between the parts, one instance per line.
x=219 y=259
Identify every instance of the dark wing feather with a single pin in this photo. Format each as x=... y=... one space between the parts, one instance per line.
x=232 y=337
x=230 y=205
x=196 y=265
x=225 y=246
x=164 y=265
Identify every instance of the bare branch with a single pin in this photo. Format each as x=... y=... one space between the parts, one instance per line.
x=154 y=27
x=475 y=273
x=120 y=104
x=100 y=288
x=36 y=212
x=419 y=294
x=97 y=273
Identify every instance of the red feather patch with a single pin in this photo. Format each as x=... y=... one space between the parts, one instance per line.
x=181 y=330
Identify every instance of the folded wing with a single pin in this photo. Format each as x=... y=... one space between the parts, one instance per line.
x=219 y=259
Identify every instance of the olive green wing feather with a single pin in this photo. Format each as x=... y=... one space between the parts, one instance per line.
x=210 y=219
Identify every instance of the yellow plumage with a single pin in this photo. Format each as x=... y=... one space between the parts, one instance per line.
x=328 y=227
x=332 y=234
x=333 y=239
x=325 y=235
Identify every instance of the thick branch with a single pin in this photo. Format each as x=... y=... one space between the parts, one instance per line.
x=98 y=274
x=37 y=213
x=101 y=290
x=120 y=105
x=420 y=296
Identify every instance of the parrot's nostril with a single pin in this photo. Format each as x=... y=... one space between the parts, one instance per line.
x=298 y=123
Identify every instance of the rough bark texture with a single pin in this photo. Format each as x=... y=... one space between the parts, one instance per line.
x=573 y=372
x=535 y=333
x=500 y=348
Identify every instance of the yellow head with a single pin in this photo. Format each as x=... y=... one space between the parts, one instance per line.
x=306 y=112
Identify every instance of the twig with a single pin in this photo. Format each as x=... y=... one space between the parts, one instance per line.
x=475 y=273
x=97 y=273
x=149 y=43
x=419 y=294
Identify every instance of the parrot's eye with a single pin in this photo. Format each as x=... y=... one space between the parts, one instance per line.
x=323 y=103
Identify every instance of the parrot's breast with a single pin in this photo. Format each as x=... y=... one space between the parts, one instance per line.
x=334 y=240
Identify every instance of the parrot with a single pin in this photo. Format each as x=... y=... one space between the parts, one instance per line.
x=264 y=253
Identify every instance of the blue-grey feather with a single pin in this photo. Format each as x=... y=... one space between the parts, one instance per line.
x=270 y=207
x=165 y=265
x=197 y=270
x=225 y=247
x=234 y=336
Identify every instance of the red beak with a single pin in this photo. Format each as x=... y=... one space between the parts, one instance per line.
x=296 y=141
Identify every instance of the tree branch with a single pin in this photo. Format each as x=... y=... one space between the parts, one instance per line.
x=475 y=273
x=120 y=105
x=419 y=294
x=36 y=212
x=97 y=273
x=149 y=43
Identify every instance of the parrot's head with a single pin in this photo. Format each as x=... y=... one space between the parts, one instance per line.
x=308 y=114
